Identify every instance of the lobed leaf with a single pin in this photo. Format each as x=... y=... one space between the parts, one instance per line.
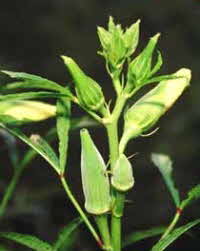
x=164 y=164
x=164 y=243
x=27 y=240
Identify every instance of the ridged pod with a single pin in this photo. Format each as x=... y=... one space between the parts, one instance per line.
x=88 y=91
x=95 y=181
x=122 y=174
x=147 y=111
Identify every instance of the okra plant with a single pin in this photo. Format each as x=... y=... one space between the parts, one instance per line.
x=105 y=183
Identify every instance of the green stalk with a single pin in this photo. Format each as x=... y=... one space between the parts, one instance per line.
x=118 y=200
x=172 y=225
x=80 y=211
x=112 y=132
x=102 y=222
x=10 y=189
x=14 y=180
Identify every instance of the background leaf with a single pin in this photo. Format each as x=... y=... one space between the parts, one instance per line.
x=193 y=195
x=29 y=95
x=65 y=234
x=164 y=243
x=33 y=81
x=164 y=164
x=38 y=144
x=63 y=125
x=141 y=235
x=28 y=240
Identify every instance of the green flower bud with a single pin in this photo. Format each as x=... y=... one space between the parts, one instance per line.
x=147 y=111
x=140 y=68
x=131 y=38
x=88 y=91
x=27 y=110
x=95 y=181
x=122 y=175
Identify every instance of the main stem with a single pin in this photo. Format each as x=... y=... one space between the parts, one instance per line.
x=118 y=199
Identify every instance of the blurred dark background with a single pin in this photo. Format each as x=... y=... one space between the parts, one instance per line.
x=34 y=34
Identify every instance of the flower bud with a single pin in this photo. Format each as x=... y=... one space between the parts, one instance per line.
x=95 y=181
x=146 y=112
x=88 y=91
x=122 y=175
x=140 y=68
x=27 y=110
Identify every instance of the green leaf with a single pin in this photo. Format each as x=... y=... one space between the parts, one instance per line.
x=164 y=164
x=164 y=243
x=141 y=235
x=38 y=144
x=28 y=241
x=33 y=81
x=63 y=126
x=193 y=195
x=30 y=95
x=6 y=119
x=65 y=234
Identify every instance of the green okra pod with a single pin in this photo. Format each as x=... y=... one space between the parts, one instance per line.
x=95 y=181
x=122 y=175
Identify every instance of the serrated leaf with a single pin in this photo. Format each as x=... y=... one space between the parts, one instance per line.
x=65 y=234
x=164 y=164
x=63 y=126
x=164 y=243
x=38 y=144
x=193 y=195
x=141 y=235
x=30 y=95
x=34 y=81
x=28 y=241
